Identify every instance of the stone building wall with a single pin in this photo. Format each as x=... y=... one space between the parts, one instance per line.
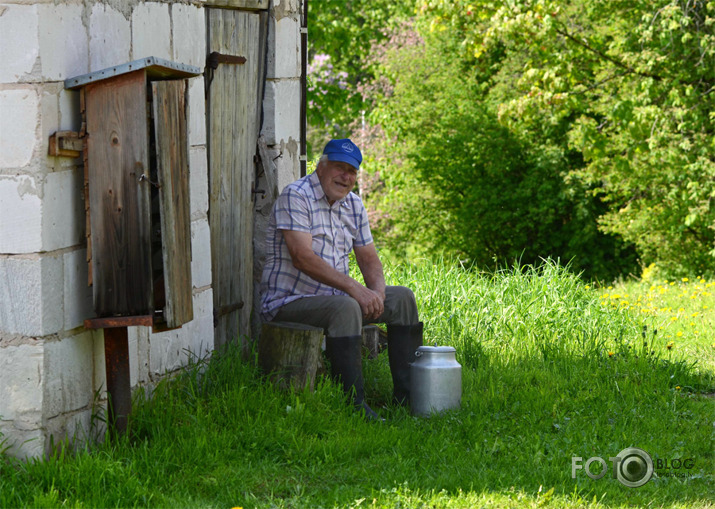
x=52 y=368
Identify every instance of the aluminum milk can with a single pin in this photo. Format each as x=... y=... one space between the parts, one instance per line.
x=435 y=380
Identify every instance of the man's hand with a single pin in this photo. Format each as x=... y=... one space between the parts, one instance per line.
x=371 y=302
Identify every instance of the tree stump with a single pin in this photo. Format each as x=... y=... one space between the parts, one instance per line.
x=371 y=340
x=290 y=354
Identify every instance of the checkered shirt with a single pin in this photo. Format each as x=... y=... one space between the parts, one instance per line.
x=303 y=207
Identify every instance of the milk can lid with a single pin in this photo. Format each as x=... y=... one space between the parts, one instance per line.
x=436 y=349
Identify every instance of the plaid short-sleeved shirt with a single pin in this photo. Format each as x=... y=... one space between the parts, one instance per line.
x=303 y=206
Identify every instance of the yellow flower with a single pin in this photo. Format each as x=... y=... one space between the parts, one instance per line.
x=679 y=334
x=685 y=280
x=670 y=345
x=677 y=387
x=611 y=354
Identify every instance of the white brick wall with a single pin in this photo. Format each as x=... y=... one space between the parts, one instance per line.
x=200 y=253
x=78 y=305
x=283 y=34
x=198 y=182
x=40 y=214
x=19 y=40
x=31 y=291
x=197 y=111
x=189 y=34
x=19 y=121
x=68 y=370
x=64 y=48
x=63 y=210
x=20 y=215
x=151 y=31
x=110 y=38
x=281 y=107
x=21 y=370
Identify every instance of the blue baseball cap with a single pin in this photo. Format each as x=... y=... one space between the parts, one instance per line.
x=343 y=150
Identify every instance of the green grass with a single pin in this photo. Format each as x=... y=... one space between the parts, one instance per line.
x=551 y=369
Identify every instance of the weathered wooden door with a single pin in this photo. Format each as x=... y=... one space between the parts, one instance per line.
x=234 y=91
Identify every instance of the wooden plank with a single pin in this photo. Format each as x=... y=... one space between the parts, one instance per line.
x=172 y=155
x=119 y=202
x=233 y=130
x=119 y=321
x=238 y=4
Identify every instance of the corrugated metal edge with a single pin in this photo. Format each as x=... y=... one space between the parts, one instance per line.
x=156 y=67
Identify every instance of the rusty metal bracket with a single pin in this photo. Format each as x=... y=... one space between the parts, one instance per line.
x=214 y=59
x=66 y=144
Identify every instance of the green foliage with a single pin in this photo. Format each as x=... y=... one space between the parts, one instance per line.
x=479 y=189
x=632 y=86
x=340 y=38
x=539 y=386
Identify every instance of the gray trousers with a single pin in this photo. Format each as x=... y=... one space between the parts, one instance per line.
x=340 y=315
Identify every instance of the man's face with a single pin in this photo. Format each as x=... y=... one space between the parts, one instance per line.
x=337 y=179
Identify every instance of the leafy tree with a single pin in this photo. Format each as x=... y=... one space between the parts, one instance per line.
x=632 y=83
x=474 y=187
x=341 y=34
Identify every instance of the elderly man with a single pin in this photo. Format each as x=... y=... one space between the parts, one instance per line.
x=315 y=223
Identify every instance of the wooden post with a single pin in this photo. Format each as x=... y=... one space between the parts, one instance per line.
x=371 y=340
x=290 y=353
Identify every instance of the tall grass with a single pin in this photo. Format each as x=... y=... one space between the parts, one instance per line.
x=549 y=372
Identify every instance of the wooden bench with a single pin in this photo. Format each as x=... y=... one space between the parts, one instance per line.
x=291 y=353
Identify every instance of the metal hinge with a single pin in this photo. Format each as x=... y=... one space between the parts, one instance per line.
x=214 y=59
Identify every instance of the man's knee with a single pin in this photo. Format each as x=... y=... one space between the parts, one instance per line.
x=402 y=304
x=346 y=317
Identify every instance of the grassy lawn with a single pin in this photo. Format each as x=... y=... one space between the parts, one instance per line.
x=552 y=369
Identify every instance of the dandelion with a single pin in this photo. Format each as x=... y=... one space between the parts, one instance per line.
x=670 y=345
x=611 y=354
x=677 y=387
x=679 y=334
x=685 y=280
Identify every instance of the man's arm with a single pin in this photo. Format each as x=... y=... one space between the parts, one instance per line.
x=300 y=247
x=371 y=268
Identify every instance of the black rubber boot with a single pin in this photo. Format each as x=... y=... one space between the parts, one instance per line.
x=345 y=356
x=402 y=343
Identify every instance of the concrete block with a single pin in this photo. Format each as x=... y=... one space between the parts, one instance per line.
x=19 y=126
x=189 y=34
x=77 y=293
x=20 y=215
x=284 y=48
x=100 y=372
x=63 y=216
x=64 y=48
x=20 y=43
x=200 y=254
x=281 y=107
x=198 y=182
x=68 y=371
x=70 y=118
x=288 y=165
x=151 y=31
x=21 y=371
x=201 y=340
x=31 y=291
x=76 y=427
x=110 y=37
x=197 y=111
x=22 y=443
x=168 y=351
